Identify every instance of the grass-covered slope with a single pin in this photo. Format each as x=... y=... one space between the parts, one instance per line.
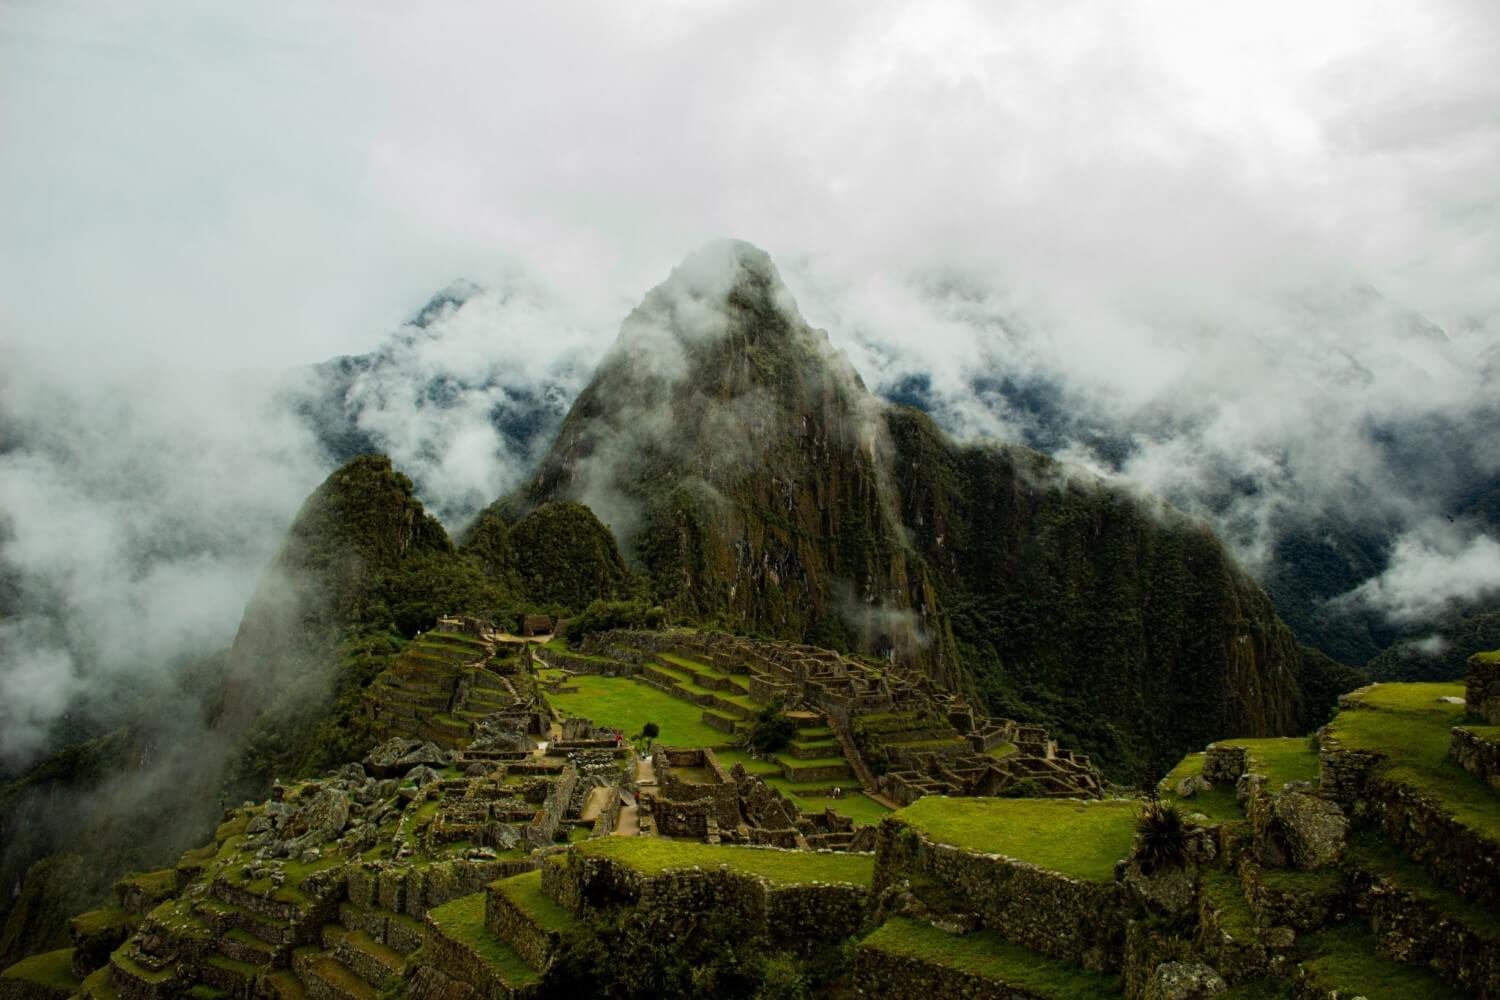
x=1067 y=836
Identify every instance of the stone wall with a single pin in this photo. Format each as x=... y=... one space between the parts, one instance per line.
x=1052 y=914
x=800 y=917
x=1482 y=687
x=879 y=973
x=1409 y=929
x=1476 y=754
x=415 y=889
x=586 y=664
x=1343 y=774
x=720 y=790
x=1453 y=852
x=543 y=828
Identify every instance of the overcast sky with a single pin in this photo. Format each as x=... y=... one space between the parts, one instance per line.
x=217 y=184
x=1272 y=225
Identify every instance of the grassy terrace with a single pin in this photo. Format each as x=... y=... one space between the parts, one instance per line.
x=1280 y=759
x=1408 y=724
x=1370 y=852
x=53 y=969
x=628 y=705
x=463 y=921
x=1344 y=958
x=1219 y=804
x=1081 y=839
x=525 y=891
x=989 y=956
x=652 y=856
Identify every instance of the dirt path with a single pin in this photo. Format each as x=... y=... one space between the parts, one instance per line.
x=629 y=822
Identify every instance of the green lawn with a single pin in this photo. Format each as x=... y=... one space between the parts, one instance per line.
x=990 y=956
x=652 y=856
x=1081 y=839
x=1408 y=724
x=1218 y=804
x=730 y=757
x=628 y=705
x=53 y=969
x=1344 y=958
x=1280 y=759
x=857 y=806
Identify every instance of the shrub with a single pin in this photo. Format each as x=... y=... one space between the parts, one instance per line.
x=1162 y=840
x=772 y=730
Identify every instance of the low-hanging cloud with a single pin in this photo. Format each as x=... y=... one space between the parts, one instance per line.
x=1432 y=569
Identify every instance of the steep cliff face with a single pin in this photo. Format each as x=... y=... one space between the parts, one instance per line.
x=758 y=484
x=1118 y=620
x=745 y=467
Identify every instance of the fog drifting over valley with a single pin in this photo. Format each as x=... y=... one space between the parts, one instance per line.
x=1227 y=253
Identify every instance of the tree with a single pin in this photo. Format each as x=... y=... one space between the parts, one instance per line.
x=651 y=731
x=772 y=730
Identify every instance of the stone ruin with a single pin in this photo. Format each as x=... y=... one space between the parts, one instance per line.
x=887 y=717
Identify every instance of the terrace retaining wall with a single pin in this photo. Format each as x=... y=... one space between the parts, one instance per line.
x=1052 y=914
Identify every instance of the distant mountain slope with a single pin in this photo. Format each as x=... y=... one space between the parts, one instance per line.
x=761 y=486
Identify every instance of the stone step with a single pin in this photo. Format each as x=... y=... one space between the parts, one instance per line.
x=283 y=984
x=230 y=975
x=136 y=982
x=224 y=917
x=324 y=977
x=397 y=931
x=369 y=959
x=242 y=946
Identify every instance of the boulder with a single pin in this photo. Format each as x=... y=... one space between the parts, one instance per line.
x=1184 y=981
x=1313 y=829
x=422 y=775
x=321 y=817
x=1192 y=785
x=1173 y=891
x=384 y=761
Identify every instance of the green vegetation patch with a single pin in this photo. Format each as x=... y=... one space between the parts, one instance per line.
x=1224 y=893
x=462 y=921
x=628 y=705
x=858 y=807
x=52 y=969
x=1218 y=803
x=1081 y=839
x=1372 y=853
x=102 y=921
x=1280 y=759
x=1344 y=959
x=652 y=856
x=525 y=892
x=762 y=768
x=1411 y=728
x=989 y=956
x=1490 y=656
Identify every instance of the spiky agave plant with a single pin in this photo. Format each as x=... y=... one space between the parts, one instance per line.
x=1162 y=837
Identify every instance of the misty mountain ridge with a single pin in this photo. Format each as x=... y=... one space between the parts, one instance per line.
x=1313 y=545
